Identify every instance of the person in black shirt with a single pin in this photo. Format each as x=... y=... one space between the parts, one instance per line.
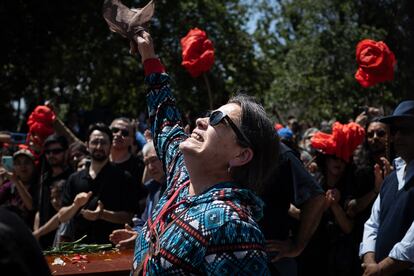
x=55 y=148
x=100 y=198
x=122 y=156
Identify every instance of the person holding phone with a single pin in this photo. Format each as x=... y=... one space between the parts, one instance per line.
x=18 y=187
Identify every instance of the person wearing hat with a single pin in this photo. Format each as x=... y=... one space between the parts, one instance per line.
x=55 y=153
x=387 y=247
x=18 y=188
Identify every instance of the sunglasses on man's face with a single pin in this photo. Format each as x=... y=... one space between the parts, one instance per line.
x=218 y=116
x=53 y=151
x=379 y=133
x=124 y=132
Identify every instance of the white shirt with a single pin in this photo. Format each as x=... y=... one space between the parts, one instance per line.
x=403 y=250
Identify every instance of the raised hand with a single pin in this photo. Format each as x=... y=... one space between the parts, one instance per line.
x=124 y=238
x=93 y=215
x=381 y=172
x=81 y=199
x=144 y=45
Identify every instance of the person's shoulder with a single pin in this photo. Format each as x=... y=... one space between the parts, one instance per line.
x=288 y=154
x=225 y=231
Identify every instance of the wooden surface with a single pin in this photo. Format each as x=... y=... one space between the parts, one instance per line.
x=102 y=263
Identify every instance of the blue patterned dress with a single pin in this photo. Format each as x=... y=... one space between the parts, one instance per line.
x=211 y=233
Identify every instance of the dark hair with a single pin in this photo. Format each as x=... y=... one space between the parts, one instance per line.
x=78 y=146
x=264 y=142
x=55 y=138
x=102 y=128
x=123 y=119
x=363 y=156
x=347 y=179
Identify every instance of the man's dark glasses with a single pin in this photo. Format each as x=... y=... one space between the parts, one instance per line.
x=124 y=132
x=54 y=151
x=379 y=133
x=218 y=116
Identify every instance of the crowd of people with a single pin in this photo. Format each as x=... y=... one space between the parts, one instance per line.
x=236 y=194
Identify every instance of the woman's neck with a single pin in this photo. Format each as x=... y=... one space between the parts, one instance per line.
x=201 y=178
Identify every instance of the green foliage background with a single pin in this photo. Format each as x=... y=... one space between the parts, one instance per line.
x=299 y=60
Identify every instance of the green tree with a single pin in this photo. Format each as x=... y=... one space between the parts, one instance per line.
x=63 y=50
x=309 y=47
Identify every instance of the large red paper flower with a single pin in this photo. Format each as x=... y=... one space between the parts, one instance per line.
x=198 y=52
x=376 y=62
x=342 y=142
x=40 y=122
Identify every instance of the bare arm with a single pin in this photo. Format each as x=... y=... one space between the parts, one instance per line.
x=36 y=222
x=120 y=217
x=310 y=216
x=332 y=197
x=24 y=194
x=294 y=212
x=68 y=212
x=48 y=227
x=63 y=130
x=343 y=220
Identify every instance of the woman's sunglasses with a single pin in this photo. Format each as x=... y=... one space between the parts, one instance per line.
x=218 y=116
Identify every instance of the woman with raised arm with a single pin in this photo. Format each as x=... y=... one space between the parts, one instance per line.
x=205 y=222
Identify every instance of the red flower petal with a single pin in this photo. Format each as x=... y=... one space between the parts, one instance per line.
x=376 y=62
x=197 y=52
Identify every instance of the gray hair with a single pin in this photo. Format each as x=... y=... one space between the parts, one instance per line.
x=147 y=147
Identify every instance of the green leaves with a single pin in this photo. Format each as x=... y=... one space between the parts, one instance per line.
x=76 y=247
x=310 y=46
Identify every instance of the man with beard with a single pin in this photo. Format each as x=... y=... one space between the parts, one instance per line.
x=387 y=247
x=55 y=148
x=102 y=197
x=121 y=155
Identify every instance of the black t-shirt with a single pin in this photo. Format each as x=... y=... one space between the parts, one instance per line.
x=290 y=184
x=135 y=166
x=46 y=210
x=113 y=187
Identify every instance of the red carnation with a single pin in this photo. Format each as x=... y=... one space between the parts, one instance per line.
x=376 y=62
x=198 y=52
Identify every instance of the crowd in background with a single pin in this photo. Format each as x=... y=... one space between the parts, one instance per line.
x=46 y=180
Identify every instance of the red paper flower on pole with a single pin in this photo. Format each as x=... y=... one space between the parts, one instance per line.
x=376 y=62
x=198 y=52
x=40 y=122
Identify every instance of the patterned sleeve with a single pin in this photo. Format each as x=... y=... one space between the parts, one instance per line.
x=236 y=248
x=165 y=118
